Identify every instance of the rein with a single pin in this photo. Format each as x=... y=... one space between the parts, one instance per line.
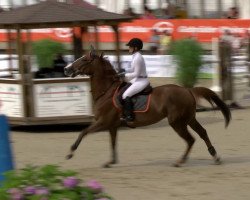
x=104 y=92
x=114 y=80
x=89 y=62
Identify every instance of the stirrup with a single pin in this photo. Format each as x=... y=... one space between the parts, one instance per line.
x=122 y=118
x=127 y=118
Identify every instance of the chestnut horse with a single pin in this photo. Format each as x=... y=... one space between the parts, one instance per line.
x=176 y=103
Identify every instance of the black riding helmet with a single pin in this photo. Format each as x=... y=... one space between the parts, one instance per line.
x=135 y=42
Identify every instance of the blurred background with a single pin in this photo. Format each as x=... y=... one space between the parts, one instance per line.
x=218 y=31
x=188 y=8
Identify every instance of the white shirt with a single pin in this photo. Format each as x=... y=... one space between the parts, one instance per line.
x=138 y=68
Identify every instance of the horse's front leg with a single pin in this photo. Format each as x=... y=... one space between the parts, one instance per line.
x=94 y=127
x=113 y=139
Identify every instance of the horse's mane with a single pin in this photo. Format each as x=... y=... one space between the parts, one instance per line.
x=108 y=67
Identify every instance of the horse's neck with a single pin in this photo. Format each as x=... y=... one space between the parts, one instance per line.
x=101 y=86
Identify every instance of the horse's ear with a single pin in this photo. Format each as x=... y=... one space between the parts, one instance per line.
x=92 y=48
x=92 y=52
x=102 y=54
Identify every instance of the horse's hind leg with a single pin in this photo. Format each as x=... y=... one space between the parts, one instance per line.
x=183 y=132
x=196 y=126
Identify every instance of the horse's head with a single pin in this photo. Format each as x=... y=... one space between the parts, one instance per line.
x=90 y=64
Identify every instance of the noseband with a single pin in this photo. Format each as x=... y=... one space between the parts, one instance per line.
x=79 y=70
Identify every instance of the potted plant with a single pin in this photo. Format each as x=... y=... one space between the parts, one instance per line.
x=49 y=183
x=45 y=51
x=187 y=54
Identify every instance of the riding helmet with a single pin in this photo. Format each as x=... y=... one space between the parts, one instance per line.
x=135 y=42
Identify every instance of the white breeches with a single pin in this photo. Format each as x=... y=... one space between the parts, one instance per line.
x=136 y=87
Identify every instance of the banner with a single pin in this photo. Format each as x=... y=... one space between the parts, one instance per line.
x=11 y=101
x=62 y=99
x=203 y=29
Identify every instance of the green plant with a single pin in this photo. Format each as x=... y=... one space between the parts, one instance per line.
x=187 y=54
x=48 y=183
x=46 y=50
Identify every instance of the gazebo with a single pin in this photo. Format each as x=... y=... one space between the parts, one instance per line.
x=48 y=14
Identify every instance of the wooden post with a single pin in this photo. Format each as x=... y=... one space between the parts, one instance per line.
x=248 y=58
x=216 y=74
x=83 y=31
x=9 y=51
x=225 y=51
x=19 y=49
x=96 y=38
x=117 y=40
x=77 y=42
x=29 y=77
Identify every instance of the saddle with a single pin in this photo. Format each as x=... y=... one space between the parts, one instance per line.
x=140 y=100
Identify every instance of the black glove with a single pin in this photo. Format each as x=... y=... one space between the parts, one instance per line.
x=121 y=73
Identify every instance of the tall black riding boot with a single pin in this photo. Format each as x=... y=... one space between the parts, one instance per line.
x=128 y=110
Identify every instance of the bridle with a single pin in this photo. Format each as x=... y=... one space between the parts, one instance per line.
x=87 y=60
x=77 y=70
x=85 y=63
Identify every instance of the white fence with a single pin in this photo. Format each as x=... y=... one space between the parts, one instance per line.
x=157 y=65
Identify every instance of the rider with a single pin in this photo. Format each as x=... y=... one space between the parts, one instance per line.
x=137 y=76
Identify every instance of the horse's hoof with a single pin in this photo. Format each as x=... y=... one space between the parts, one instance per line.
x=69 y=156
x=109 y=164
x=218 y=161
x=106 y=165
x=177 y=164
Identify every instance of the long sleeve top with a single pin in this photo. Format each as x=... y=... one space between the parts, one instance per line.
x=138 y=68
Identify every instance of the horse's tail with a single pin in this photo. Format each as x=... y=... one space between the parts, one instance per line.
x=212 y=97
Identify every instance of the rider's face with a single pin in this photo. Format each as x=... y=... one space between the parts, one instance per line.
x=131 y=50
